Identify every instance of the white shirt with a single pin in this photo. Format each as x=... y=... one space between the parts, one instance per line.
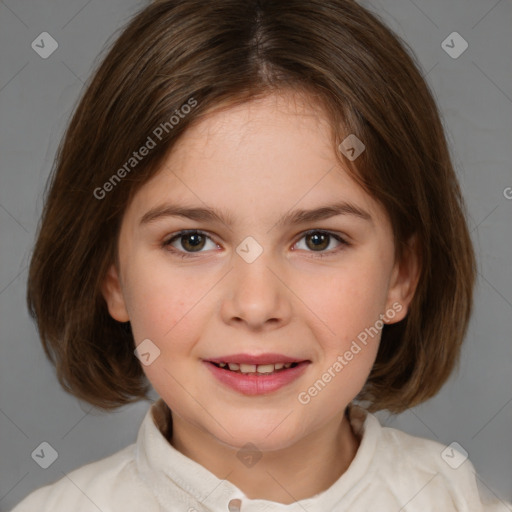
x=391 y=472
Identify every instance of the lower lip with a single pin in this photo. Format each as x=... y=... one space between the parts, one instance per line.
x=257 y=384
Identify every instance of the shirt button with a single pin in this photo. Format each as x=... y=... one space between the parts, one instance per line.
x=234 y=505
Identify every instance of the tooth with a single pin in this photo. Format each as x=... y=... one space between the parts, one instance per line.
x=253 y=368
x=247 y=368
x=265 y=368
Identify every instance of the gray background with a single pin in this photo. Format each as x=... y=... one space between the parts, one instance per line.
x=37 y=96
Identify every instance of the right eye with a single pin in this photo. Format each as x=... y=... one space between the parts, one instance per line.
x=192 y=241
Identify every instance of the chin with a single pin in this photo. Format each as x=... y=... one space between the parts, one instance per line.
x=264 y=438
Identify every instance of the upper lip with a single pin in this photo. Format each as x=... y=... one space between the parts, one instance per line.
x=256 y=359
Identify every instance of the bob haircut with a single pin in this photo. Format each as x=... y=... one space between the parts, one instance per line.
x=221 y=53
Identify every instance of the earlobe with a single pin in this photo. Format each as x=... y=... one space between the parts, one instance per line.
x=404 y=281
x=113 y=295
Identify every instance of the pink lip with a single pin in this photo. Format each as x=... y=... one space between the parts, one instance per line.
x=257 y=384
x=256 y=359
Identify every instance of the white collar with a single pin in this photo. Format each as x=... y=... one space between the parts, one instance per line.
x=181 y=483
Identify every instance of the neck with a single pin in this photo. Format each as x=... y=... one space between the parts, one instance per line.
x=318 y=460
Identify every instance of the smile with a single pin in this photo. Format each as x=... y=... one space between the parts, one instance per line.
x=252 y=369
x=256 y=379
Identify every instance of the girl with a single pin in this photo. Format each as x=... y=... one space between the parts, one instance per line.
x=254 y=210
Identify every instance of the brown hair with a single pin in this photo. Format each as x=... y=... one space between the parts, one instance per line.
x=225 y=52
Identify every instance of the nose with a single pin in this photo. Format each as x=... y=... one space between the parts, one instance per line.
x=256 y=295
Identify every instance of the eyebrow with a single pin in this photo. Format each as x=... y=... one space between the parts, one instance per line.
x=291 y=218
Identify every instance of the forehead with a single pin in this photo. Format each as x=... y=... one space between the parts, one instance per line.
x=265 y=155
x=276 y=122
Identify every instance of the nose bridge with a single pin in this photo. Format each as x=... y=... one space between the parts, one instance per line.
x=255 y=295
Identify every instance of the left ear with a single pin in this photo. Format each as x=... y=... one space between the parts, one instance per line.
x=404 y=280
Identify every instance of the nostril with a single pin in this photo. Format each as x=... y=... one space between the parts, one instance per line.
x=234 y=505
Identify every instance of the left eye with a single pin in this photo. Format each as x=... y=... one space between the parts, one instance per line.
x=193 y=241
x=320 y=240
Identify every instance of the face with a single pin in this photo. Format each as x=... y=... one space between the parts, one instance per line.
x=259 y=280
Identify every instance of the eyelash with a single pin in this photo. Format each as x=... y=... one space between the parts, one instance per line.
x=167 y=243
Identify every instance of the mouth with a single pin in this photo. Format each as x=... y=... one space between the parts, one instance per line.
x=259 y=374
x=255 y=370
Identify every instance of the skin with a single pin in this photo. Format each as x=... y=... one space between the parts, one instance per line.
x=257 y=162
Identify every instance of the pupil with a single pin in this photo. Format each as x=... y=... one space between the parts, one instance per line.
x=193 y=245
x=317 y=237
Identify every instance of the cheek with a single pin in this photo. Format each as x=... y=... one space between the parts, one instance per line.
x=164 y=309
x=348 y=301
x=349 y=333
x=161 y=303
